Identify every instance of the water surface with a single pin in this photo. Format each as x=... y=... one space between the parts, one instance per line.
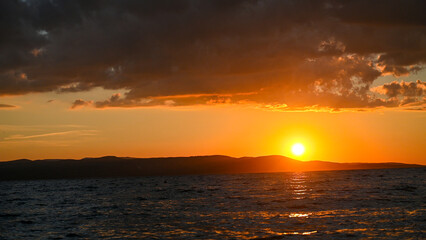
x=376 y=204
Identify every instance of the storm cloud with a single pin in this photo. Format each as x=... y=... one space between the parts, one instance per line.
x=293 y=54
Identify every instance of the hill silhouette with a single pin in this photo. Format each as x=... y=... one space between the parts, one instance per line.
x=111 y=166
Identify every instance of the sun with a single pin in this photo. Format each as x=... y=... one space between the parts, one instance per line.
x=298 y=149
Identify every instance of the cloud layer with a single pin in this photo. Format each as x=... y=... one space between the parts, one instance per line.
x=292 y=54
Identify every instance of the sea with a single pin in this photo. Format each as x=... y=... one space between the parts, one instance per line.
x=355 y=204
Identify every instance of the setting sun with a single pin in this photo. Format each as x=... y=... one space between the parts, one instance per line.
x=298 y=149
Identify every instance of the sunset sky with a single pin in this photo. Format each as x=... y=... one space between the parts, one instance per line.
x=346 y=79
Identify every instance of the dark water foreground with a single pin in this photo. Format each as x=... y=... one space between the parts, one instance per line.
x=376 y=204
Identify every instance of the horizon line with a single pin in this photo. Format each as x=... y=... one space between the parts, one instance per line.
x=209 y=155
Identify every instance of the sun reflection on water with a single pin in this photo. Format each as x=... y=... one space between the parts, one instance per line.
x=299 y=215
x=291 y=233
x=298 y=185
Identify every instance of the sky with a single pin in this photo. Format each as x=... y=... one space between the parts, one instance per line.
x=347 y=79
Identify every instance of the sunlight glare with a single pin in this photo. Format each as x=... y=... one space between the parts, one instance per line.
x=298 y=149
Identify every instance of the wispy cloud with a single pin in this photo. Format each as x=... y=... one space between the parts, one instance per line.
x=6 y=106
x=41 y=142
x=39 y=127
x=53 y=134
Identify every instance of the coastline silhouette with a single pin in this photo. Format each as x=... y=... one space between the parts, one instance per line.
x=111 y=166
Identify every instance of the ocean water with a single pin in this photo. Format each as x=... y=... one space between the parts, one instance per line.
x=361 y=204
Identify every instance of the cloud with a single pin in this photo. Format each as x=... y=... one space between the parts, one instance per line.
x=14 y=128
x=6 y=106
x=297 y=53
x=406 y=89
x=80 y=103
x=404 y=93
x=75 y=132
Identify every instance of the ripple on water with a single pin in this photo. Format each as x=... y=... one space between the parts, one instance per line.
x=376 y=204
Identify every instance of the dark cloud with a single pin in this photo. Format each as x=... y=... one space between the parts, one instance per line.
x=297 y=53
x=80 y=103
x=380 y=12
x=404 y=89
x=405 y=93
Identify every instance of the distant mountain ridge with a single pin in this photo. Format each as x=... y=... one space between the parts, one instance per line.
x=111 y=166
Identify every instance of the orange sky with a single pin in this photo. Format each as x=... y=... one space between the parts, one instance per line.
x=54 y=131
